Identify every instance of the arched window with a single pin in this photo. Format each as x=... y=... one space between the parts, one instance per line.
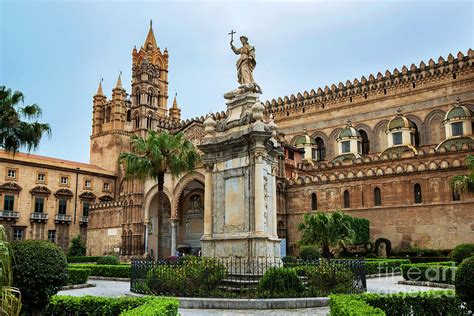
x=365 y=142
x=107 y=114
x=314 y=202
x=347 y=200
x=416 y=136
x=417 y=193
x=281 y=230
x=137 y=120
x=149 y=121
x=377 y=197
x=320 y=149
x=129 y=115
x=139 y=97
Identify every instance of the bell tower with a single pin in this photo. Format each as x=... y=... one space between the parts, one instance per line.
x=149 y=84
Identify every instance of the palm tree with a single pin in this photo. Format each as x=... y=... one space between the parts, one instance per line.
x=18 y=125
x=325 y=229
x=11 y=297
x=464 y=184
x=158 y=154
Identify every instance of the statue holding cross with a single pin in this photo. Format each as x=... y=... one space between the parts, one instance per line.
x=247 y=62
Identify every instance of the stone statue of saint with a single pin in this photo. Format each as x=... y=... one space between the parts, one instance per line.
x=195 y=203
x=246 y=63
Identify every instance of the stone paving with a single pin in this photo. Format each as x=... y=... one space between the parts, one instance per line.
x=376 y=285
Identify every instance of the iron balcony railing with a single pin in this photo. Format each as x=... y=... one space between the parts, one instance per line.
x=9 y=214
x=84 y=219
x=63 y=217
x=38 y=216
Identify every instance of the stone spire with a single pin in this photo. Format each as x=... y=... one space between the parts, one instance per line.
x=99 y=90
x=150 y=38
x=119 y=82
x=175 y=111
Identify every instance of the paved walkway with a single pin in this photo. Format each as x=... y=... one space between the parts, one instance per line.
x=376 y=285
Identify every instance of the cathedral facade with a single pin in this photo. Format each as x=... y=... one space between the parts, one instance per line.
x=383 y=147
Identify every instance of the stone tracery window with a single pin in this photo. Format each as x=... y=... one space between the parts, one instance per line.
x=320 y=149
x=377 y=197
x=365 y=142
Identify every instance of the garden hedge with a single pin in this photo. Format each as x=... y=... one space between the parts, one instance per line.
x=108 y=260
x=112 y=271
x=462 y=251
x=429 y=272
x=465 y=282
x=417 y=303
x=376 y=266
x=83 y=259
x=78 y=275
x=108 y=306
x=280 y=282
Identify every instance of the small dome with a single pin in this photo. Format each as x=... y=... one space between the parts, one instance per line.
x=458 y=112
x=399 y=121
x=304 y=140
x=348 y=132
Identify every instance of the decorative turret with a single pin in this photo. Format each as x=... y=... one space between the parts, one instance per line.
x=98 y=109
x=307 y=143
x=175 y=111
x=118 y=106
x=349 y=143
x=400 y=135
x=458 y=124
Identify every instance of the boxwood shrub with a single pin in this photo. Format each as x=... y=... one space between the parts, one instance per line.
x=112 y=271
x=78 y=275
x=108 y=260
x=155 y=307
x=107 y=306
x=429 y=272
x=376 y=266
x=310 y=252
x=465 y=282
x=280 y=282
x=462 y=251
x=351 y=305
x=82 y=259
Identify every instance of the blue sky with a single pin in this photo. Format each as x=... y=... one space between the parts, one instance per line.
x=55 y=52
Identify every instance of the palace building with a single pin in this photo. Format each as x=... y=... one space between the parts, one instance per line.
x=383 y=147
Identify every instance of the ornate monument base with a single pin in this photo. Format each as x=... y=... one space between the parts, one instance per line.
x=240 y=155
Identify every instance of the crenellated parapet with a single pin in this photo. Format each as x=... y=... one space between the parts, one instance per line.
x=374 y=85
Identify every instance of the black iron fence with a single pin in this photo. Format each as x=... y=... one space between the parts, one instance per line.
x=236 y=277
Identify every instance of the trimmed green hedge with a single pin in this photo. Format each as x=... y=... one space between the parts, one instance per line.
x=113 y=271
x=429 y=272
x=418 y=303
x=108 y=260
x=78 y=275
x=108 y=306
x=465 y=282
x=351 y=305
x=376 y=266
x=462 y=251
x=83 y=259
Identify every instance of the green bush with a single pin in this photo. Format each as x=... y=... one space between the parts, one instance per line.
x=107 y=306
x=361 y=229
x=465 y=282
x=111 y=271
x=329 y=278
x=280 y=282
x=376 y=266
x=462 y=251
x=78 y=275
x=371 y=256
x=191 y=276
x=155 y=307
x=82 y=259
x=77 y=248
x=429 y=272
x=309 y=253
x=39 y=271
x=108 y=260
x=351 y=305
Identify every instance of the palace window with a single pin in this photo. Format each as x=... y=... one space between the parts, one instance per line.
x=8 y=203
x=397 y=138
x=417 y=193
x=365 y=142
x=62 y=206
x=314 y=202
x=377 y=197
x=457 y=129
x=320 y=149
x=18 y=233
x=346 y=147
x=41 y=177
x=347 y=202
x=11 y=173
x=39 y=204
x=85 y=208
x=64 y=180
x=106 y=186
x=52 y=235
x=87 y=184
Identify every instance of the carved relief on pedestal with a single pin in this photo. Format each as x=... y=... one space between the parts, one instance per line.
x=265 y=196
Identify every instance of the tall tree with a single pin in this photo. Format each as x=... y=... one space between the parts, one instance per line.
x=464 y=183
x=18 y=124
x=325 y=229
x=11 y=297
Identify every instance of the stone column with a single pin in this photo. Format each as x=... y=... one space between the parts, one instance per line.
x=173 y=222
x=259 y=195
x=208 y=201
x=146 y=238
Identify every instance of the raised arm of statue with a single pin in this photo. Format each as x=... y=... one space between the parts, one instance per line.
x=235 y=49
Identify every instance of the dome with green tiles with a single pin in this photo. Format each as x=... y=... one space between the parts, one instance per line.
x=304 y=140
x=398 y=122
x=458 y=112
x=348 y=132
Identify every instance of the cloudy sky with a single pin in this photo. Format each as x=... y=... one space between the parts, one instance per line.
x=55 y=52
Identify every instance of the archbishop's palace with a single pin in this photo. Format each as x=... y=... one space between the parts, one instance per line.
x=383 y=147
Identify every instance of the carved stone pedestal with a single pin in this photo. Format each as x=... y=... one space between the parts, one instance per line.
x=240 y=154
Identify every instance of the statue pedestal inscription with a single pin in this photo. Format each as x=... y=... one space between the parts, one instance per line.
x=240 y=155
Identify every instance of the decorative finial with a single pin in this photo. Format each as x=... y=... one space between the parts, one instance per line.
x=458 y=100
x=349 y=123
x=151 y=23
x=399 y=112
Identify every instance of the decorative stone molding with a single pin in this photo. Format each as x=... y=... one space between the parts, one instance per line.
x=40 y=190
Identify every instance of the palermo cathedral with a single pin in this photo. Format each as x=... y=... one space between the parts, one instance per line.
x=383 y=147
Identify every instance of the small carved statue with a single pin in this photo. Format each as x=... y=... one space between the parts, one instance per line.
x=246 y=63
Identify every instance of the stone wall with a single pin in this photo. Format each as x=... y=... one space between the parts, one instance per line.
x=104 y=233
